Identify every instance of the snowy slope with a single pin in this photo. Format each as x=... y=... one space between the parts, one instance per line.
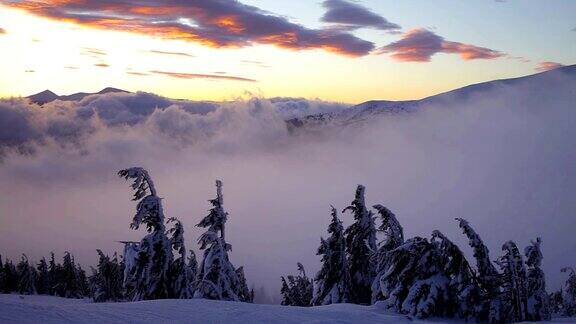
x=537 y=85
x=48 y=309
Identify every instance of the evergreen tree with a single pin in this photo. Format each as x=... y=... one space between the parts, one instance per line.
x=217 y=278
x=463 y=293
x=360 y=246
x=192 y=270
x=298 y=290
x=150 y=272
x=9 y=277
x=43 y=283
x=244 y=293
x=179 y=277
x=569 y=293
x=26 y=277
x=106 y=279
x=393 y=238
x=333 y=279
x=538 y=299
x=52 y=275
x=69 y=279
x=487 y=276
x=513 y=280
x=2 y=276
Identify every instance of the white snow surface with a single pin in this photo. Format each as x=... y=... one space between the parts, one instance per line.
x=48 y=309
x=16 y=308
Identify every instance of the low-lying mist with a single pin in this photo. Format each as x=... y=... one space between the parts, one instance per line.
x=503 y=159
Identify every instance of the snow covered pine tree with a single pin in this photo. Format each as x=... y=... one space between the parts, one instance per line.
x=26 y=277
x=148 y=276
x=538 y=299
x=106 y=279
x=178 y=272
x=513 y=297
x=487 y=277
x=333 y=279
x=217 y=278
x=360 y=246
x=393 y=238
x=569 y=293
x=298 y=290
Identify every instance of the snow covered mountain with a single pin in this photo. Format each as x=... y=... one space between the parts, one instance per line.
x=47 y=96
x=538 y=84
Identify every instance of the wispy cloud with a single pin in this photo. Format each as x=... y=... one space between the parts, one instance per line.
x=137 y=73
x=353 y=16
x=181 y=75
x=255 y=63
x=214 y=23
x=102 y=65
x=547 y=66
x=419 y=45
x=71 y=67
x=171 y=53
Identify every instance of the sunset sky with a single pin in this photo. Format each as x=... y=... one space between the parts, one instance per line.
x=348 y=51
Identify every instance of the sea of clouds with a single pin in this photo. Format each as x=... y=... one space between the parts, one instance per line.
x=502 y=158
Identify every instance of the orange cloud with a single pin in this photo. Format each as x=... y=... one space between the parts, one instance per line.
x=214 y=23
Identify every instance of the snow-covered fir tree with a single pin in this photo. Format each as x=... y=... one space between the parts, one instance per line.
x=106 y=279
x=179 y=276
x=217 y=278
x=569 y=293
x=69 y=282
x=8 y=277
x=332 y=282
x=26 y=277
x=538 y=299
x=52 y=274
x=43 y=283
x=393 y=238
x=429 y=278
x=192 y=270
x=148 y=276
x=244 y=293
x=297 y=290
x=463 y=293
x=487 y=275
x=360 y=246
x=513 y=282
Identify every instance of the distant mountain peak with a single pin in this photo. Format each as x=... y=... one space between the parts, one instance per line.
x=43 y=97
x=47 y=96
x=111 y=89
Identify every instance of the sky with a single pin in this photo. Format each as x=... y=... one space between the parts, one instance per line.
x=337 y=50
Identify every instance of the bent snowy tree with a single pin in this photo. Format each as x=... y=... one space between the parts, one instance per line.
x=217 y=277
x=360 y=246
x=148 y=276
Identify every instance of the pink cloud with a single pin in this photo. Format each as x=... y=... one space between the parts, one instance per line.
x=419 y=45
x=547 y=66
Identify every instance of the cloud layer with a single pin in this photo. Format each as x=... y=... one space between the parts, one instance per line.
x=215 y=23
x=419 y=45
x=352 y=15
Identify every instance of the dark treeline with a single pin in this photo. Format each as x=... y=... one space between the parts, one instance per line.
x=420 y=277
x=423 y=277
